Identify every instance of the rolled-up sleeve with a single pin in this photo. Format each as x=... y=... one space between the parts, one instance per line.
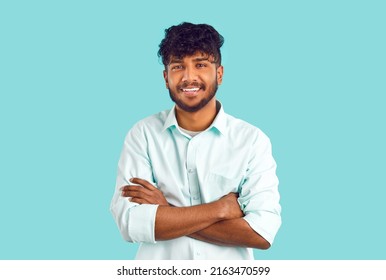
x=135 y=222
x=259 y=196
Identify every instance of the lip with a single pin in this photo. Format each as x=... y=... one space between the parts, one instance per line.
x=190 y=92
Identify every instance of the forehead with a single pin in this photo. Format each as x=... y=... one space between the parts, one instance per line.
x=197 y=56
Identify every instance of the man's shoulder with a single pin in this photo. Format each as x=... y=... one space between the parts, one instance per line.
x=242 y=127
x=154 y=121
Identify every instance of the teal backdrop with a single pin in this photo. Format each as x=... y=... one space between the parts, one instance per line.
x=76 y=75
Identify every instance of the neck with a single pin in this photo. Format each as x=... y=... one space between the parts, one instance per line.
x=197 y=121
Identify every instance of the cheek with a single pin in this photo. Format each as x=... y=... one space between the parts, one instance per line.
x=211 y=80
x=173 y=81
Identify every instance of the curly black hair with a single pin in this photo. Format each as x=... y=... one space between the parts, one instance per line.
x=188 y=38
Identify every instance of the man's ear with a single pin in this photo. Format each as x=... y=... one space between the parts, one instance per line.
x=166 y=79
x=220 y=73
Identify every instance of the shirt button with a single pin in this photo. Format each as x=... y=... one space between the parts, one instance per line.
x=191 y=170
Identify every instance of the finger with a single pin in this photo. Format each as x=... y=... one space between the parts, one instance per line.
x=138 y=194
x=123 y=188
x=143 y=183
x=139 y=200
x=135 y=188
x=129 y=187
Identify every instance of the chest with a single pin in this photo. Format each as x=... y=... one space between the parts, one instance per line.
x=200 y=169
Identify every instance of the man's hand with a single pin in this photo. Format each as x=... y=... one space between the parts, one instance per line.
x=218 y=222
x=232 y=230
x=143 y=193
x=230 y=206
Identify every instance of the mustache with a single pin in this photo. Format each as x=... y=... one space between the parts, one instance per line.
x=193 y=84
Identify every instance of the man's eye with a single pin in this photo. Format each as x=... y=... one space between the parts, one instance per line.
x=201 y=65
x=177 y=67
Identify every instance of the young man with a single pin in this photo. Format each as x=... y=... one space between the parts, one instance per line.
x=194 y=182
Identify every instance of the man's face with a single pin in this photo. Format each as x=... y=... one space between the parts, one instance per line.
x=192 y=80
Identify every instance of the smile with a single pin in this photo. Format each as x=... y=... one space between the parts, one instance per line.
x=190 y=90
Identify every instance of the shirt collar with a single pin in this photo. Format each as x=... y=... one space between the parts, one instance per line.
x=219 y=122
x=171 y=119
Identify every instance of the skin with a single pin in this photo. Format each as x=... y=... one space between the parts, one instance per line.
x=198 y=68
x=219 y=222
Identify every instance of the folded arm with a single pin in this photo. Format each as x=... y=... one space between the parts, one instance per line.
x=219 y=222
x=143 y=214
x=235 y=232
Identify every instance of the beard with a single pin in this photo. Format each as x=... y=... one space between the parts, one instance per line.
x=203 y=102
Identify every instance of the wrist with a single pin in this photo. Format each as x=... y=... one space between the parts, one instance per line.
x=221 y=209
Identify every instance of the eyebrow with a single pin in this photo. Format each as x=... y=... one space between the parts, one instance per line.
x=201 y=59
x=197 y=59
x=175 y=60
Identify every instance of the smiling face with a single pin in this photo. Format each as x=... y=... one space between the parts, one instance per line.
x=193 y=80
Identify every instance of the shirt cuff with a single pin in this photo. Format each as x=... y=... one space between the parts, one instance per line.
x=271 y=222
x=142 y=223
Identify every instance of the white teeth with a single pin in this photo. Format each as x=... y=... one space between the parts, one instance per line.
x=190 y=89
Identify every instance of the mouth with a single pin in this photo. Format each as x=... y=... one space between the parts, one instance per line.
x=190 y=91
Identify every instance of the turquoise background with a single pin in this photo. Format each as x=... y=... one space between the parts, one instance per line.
x=76 y=75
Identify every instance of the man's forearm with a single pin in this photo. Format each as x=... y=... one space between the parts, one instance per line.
x=174 y=222
x=234 y=232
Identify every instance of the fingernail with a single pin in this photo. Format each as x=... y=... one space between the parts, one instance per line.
x=131 y=180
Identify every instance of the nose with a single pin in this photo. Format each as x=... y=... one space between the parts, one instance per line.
x=190 y=74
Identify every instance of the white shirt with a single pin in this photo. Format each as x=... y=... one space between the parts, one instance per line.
x=230 y=156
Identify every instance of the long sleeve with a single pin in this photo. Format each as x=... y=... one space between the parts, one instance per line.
x=230 y=156
x=135 y=222
x=259 y=196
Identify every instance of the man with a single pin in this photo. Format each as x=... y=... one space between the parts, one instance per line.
x=194 y=182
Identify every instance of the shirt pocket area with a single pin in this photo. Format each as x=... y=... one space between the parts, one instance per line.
x=217 y=185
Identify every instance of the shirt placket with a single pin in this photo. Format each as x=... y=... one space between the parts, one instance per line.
x=191 y=169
